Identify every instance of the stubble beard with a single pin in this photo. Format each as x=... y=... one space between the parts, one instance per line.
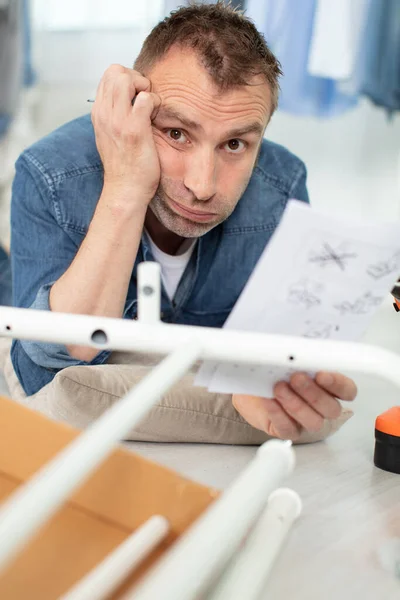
x=185 y=227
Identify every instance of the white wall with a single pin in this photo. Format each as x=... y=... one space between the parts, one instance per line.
x=353 y=161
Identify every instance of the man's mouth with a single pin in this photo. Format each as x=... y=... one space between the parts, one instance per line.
x=193 y=215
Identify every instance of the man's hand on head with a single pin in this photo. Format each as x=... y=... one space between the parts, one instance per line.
x=124 y=136
x=299 y=405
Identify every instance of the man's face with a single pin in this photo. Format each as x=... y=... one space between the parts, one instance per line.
x=207 y=143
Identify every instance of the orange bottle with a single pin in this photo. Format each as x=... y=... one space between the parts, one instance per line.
x=387 y=440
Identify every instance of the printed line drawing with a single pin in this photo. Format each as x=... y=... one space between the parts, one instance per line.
x=361 y=306
x=305 y=292
x=319 y=329
x=385 y=267
x=329 y=256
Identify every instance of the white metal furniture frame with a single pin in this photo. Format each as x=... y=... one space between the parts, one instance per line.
x=37 y=500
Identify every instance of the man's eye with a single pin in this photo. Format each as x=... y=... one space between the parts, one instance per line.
x=235 y=146
x=177 y=136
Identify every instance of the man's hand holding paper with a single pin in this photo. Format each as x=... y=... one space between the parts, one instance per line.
x=300 y=404
x=319 y=278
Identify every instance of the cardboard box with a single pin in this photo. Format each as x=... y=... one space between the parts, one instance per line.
x=119 y=497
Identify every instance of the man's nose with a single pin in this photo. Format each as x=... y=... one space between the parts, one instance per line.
x=200 y=174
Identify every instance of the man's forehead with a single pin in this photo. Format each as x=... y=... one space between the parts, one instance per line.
x=180 y=77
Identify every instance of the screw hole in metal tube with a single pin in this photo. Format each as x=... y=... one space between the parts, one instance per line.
x=8 y=327
x=291 y=357
x=99 y=337
x=148 y=290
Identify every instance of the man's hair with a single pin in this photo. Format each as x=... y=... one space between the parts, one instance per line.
x=227 y=43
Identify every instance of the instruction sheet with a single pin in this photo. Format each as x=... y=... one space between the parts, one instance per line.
x=319 y=277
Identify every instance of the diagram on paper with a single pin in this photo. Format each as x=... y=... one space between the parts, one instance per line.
x=329 y=256
x=361 y=306
x=385 y=267
x=319 y=329
x=305 y=293
x=319 y=278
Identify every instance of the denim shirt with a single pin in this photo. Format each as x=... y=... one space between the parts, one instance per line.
x=57 y=185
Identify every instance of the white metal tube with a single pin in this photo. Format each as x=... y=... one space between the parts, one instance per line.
x=195 y=559
x=38 y=499
x=249 y=571
x=149 y=292
x=217 y=344
x=99 y=583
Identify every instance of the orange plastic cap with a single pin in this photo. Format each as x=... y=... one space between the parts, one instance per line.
x=389 y=421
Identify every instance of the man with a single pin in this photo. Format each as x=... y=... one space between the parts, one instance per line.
x=181 y=175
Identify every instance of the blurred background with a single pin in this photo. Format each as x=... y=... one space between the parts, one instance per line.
x=340 y=101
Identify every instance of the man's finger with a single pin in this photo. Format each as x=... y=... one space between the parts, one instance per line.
x=337 y=384
x=105 y=94
x=119 y=81
x=146 y=106
x=298 y=408
x=318 y=398
x=278 y=422
x=267 y=415
x=124 y=91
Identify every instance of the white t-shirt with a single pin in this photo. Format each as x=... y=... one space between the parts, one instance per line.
x=172 y=265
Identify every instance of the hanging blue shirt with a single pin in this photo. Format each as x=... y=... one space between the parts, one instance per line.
x=287 y=27
x=380 y=57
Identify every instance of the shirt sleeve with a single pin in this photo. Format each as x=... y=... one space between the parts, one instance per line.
x=41 y=251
